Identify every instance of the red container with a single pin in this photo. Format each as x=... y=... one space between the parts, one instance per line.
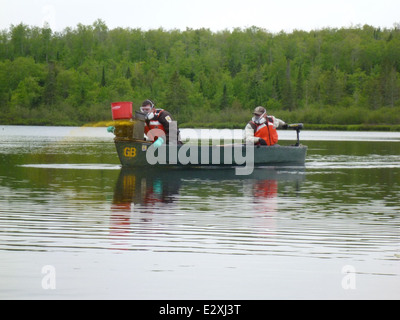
x=121 y=110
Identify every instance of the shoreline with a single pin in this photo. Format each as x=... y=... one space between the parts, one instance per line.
x=311 y=127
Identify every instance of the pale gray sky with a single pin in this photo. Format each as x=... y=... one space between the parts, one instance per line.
x=273 y=15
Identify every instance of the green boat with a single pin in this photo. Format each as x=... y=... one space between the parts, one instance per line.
x=134 y=152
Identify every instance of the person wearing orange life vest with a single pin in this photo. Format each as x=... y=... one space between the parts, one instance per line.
x=261 y=130
x=159 y=125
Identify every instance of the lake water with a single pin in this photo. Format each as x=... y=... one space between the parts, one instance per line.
x=74 y=225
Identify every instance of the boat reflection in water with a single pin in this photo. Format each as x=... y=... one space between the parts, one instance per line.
x=141 y=193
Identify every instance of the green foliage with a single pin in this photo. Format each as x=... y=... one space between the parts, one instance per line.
x=333 y=77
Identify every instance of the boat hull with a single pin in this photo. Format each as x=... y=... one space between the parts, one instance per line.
x=141 y=154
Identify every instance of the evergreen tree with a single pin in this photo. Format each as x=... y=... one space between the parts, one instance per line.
x=176 y=98
x=103 y=78
x=50 y=85
x=288 y=99
x=224 y=99
x=128 y=73
x=299 y=93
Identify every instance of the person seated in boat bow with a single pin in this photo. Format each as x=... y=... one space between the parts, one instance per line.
x=159 y=125
x=261 y=129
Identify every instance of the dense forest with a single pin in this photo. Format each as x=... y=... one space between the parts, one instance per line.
x=327 y=77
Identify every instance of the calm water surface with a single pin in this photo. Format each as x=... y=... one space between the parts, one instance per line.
x=329 y=230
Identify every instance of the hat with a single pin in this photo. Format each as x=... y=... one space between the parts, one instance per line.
x=148 y=102
x=259 y=111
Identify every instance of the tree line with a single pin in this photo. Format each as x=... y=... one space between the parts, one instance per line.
x=347 y=76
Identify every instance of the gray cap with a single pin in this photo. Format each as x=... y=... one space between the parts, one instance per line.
x=259 y=111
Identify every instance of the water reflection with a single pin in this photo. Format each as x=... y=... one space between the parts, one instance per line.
x=277 y=233
x=150 y=187
x=200 y=200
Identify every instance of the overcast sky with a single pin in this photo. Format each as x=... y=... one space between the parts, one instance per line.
x=217 y=15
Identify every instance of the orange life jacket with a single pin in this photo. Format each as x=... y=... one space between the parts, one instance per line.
x=266 y=131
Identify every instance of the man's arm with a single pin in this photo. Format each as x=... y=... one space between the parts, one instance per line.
x=170 y=126
x=278 y=123
x=249 y=135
